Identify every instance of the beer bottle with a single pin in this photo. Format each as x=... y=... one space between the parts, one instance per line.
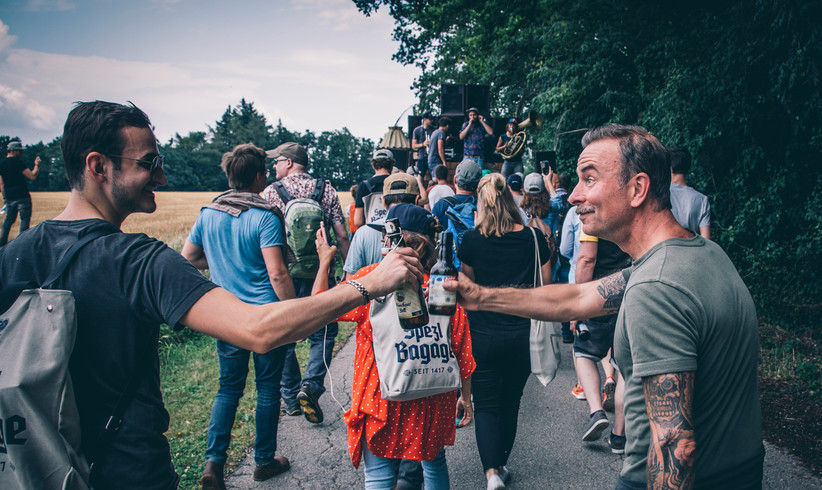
x=411 y=306
x=440 y=301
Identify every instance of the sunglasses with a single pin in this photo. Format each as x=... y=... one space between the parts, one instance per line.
x=157 y=162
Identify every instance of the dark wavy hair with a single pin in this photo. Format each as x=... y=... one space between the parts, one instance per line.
x=96 y=126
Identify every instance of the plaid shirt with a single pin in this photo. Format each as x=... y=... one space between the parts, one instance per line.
x=301 y=185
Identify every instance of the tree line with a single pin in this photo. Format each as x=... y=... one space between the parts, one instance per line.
x=736 y=82
x=193 y=160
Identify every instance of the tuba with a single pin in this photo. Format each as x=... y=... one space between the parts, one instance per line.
x=517 y=142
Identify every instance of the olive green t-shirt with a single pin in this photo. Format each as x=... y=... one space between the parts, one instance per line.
x=686 y=309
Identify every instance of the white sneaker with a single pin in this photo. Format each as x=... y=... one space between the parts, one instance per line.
x=495 y=483
x=504 y=474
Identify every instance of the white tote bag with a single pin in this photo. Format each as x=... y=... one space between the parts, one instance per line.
x=545 y=336
x=412 y=363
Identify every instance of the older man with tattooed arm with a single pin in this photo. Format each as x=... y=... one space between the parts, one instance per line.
x=686 y=337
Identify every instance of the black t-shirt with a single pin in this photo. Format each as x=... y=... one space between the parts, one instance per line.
x=14 y=182
x=506 y=261
x=125 y=285
x=610 y=259
x=376 y=183
x=419 y=134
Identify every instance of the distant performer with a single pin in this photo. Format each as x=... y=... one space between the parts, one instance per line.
x=690 y=207
x=436 y=150
x=421 y=142
x=13 y=175
x=513 y=164
x=473 y=134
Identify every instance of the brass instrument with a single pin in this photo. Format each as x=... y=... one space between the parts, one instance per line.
x=517 y=142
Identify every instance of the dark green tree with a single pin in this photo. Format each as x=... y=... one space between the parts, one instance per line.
x=738 y=83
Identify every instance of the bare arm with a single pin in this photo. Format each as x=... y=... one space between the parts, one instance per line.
x=260 y=328
x=32 y=174
x=359 y=217
x=195 y=254
x=341 y=235
x=586 y=260
x=488 y=128
x=672 y=452
x=464 y=132
x=464 y=406
x=500 y=145
x=555 y=302
x=326 y=253
x=705 y=231
x=278 y=273
x=423 y=199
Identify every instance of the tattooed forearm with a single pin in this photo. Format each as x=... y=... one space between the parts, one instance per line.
x=672 y=452
x=611 y=289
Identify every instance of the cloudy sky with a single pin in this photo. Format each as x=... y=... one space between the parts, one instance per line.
x=315 y=64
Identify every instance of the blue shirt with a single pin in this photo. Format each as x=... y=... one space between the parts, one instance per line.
x=365 y=249
x=233 y=247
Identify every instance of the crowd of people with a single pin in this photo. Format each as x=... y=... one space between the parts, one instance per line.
x=624 y=256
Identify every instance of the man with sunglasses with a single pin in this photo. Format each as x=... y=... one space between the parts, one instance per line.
x=126 y=284
x=301 y=391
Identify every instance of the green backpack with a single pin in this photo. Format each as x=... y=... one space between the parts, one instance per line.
x=302 y=220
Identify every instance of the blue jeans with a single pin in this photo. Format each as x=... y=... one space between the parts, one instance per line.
x=22 y=206
x=479 y=160
x=509 y=167
x=233 y=372
x=381 y=473
x=625 y=484
x=319 y=355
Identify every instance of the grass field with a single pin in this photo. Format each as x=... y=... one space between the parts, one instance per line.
x=188 y=361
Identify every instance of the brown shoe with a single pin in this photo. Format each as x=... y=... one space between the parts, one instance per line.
x=213 y=476
x=272 y=469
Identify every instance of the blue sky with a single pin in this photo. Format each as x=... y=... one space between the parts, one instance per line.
x=315 y=64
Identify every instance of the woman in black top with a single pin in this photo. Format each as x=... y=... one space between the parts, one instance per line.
x=498 y=252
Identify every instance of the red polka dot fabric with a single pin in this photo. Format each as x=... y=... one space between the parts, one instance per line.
x=414 y=429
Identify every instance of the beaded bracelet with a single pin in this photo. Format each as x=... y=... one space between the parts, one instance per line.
x=359 y=287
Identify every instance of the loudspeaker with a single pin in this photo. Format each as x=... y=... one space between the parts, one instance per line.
x=401 y=158
x=452 y=99
x=478 y=96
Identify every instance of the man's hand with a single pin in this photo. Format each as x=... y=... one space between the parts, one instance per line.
x=325 y=251
x=468 y=292
x=399 y=267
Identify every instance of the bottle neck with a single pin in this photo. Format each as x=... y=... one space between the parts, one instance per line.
x=445 y=249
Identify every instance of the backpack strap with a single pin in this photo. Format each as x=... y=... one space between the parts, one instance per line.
x=319 y=190
x=453 y=201
x=282 y=192
x=64 y=262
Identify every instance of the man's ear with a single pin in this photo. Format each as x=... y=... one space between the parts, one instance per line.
x=639 y=186
x=98 y=166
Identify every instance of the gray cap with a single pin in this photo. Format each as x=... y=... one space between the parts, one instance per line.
x=383 y=153
x=472 y=109
x=14 y=145
x=533 y=184
x=468 y=175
